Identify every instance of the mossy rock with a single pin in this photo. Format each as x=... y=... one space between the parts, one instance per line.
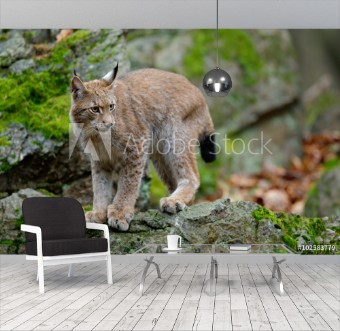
x=324 y=197
x=39 y=98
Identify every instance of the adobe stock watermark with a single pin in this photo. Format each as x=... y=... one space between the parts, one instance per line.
x=79 y=134
x=177 y=146
x=163 y=146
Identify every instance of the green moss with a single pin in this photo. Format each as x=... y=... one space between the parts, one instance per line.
x=289 y=241
x=45 y=192
x=38 y=101
x=79 y=36
x=87 y=208
x=4 y=141
x=293 y=225
x=235 y=45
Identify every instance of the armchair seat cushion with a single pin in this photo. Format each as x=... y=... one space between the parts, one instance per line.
x=68 y=246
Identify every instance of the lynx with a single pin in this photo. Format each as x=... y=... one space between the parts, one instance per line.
x=151 y=115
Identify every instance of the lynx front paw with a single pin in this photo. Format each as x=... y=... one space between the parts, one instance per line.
x=119 y=220
x=171 y=205
x=96 y=216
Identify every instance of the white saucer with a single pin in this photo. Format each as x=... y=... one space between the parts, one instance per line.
x=166 y=249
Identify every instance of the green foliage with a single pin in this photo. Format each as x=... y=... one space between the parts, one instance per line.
x=235 y=45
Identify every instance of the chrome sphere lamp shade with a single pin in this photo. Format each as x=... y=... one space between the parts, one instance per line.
x=217 y=82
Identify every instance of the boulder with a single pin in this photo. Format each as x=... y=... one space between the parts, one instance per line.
x=217 y=222
x=11 y=237
x=19 y=66
x=31 y=160
x=324 y=197
x=13 y=49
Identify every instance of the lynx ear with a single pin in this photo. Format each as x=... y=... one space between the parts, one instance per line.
x=110 y=76
x=77 y=86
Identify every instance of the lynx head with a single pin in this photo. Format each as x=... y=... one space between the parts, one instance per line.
x=93 y=103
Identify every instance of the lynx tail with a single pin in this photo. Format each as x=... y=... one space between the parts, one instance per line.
x=208 y=148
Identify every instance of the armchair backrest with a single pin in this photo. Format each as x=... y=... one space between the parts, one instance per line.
x=59 y=218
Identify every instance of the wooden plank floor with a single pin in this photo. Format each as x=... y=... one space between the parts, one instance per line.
x=245 y=298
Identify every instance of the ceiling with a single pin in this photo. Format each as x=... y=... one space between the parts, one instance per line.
x=176 y=14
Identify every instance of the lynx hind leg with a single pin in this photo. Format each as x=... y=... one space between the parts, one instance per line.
x=163 y=171
x=185 y=173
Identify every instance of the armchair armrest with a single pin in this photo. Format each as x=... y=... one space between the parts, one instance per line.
x=31 y=228
x=101 y=227
x=37 y=230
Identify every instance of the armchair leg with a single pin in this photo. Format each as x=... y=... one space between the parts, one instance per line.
x=70 y=270
x=109 y=269
x=41 y=276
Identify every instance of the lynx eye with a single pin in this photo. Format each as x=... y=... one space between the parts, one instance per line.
x=112 y=106
x=95 y=109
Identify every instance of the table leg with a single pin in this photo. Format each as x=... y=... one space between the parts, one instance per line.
x=213 y=274
x=148 y=263
x=277 y=270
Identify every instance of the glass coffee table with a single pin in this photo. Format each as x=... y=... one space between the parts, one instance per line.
x=153 y=253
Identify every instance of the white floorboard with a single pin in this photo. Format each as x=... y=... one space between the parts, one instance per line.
x=245 y=298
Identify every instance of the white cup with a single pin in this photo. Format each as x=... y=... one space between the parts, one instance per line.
x=173 y=241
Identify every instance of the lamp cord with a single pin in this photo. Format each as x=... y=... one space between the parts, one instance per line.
x=217 y=33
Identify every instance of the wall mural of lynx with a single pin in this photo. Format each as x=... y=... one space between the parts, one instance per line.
x=276 y=135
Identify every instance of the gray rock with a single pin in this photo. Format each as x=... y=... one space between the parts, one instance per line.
x=21 y=144
x=11 y=237
x=107 y=48
x=19 y=66
x=324 y=199
x=13 y=49
x=31 y=160
x=40 y=36
x=216 y=222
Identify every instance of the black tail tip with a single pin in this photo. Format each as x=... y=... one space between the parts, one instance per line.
x=208 y=148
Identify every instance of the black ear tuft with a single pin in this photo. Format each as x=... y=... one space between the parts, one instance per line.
x=75 y=73
x=110 y=76
x=115 y=71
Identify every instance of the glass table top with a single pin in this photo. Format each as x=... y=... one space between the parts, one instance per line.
x=216 y=249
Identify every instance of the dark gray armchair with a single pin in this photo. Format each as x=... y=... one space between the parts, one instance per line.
x=56 y=234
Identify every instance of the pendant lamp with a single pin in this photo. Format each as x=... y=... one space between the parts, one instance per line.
x=217 y=82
